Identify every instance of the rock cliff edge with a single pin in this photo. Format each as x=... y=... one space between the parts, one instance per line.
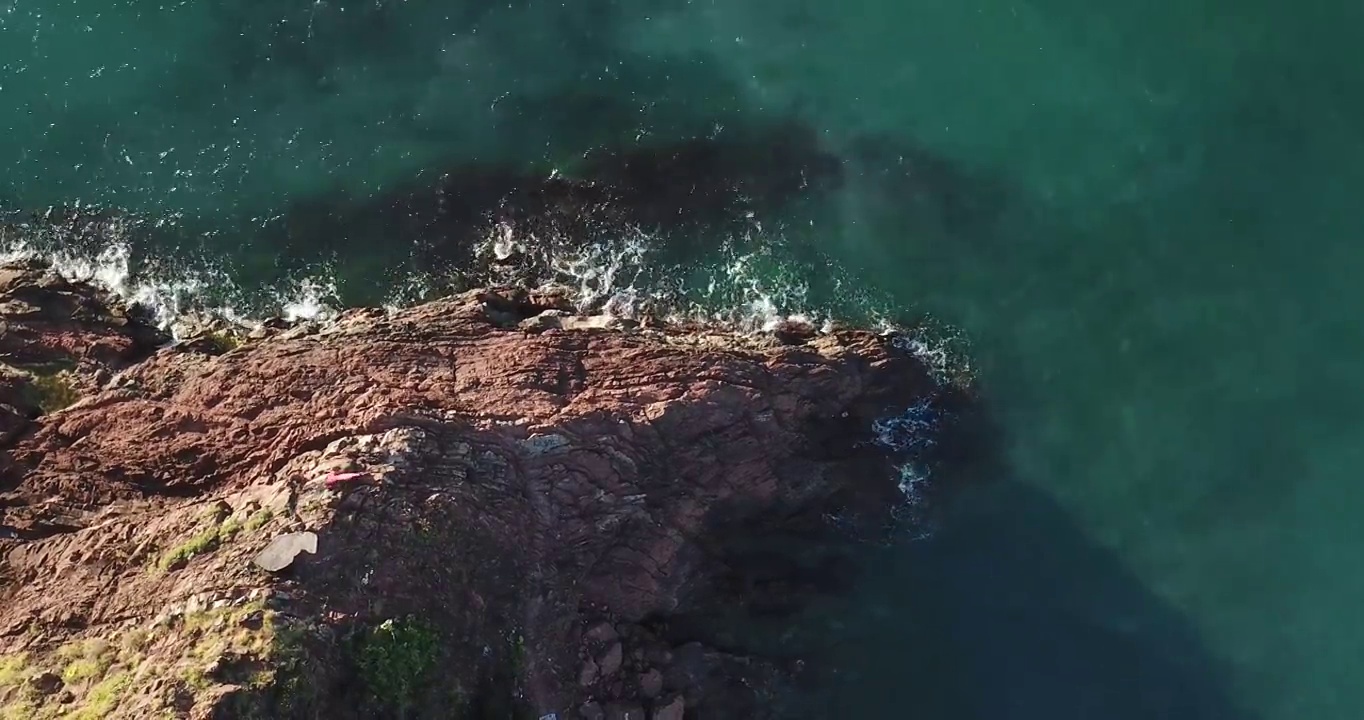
x=486 y=506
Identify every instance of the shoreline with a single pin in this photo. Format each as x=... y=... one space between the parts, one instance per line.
x=534 y=500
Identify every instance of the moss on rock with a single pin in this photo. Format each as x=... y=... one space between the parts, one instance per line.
x=52 y=391
x=395 y=660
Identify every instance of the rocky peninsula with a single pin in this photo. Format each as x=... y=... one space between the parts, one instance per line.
x=485 y=506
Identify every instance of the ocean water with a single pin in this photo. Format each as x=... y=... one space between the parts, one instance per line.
x=1160 y=286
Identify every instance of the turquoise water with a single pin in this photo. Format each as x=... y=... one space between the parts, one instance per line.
x=1162 y=306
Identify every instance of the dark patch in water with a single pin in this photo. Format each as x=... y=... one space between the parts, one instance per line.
x=736 y=188
x=1013 y=611
x=909 y=181
x=695 y=193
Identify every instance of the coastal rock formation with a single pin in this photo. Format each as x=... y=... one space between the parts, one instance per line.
x=58 y=341
x=486 y=506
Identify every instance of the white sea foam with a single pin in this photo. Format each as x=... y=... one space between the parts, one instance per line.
x=111 y=269
x=913 y=480
x=174 y=295
x=761 y=294
x=606 y=273
x=311 y=298
x=622 y=274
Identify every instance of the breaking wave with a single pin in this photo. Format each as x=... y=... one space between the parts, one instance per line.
x=752 y=283
x=106 y=251
x=747 y=284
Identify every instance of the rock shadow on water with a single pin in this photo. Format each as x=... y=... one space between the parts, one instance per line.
x=692 y=193
x=1011 y=611
x=669 y=206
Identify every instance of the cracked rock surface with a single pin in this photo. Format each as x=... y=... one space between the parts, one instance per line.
x=511 y=504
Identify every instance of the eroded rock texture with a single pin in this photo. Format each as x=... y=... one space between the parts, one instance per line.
x=509 y=502
x=58 y=341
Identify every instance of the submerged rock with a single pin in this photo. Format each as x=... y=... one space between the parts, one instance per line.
x=538 y=505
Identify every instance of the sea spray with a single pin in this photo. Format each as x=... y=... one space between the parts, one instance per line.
x=179 y=291
x=753 y=283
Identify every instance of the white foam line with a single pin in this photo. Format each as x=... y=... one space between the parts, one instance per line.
x=174 y=299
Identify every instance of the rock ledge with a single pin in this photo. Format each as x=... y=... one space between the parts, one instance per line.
x=485 y=506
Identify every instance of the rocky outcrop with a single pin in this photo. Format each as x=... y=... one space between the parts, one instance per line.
x=59 y=341
x=485 y=506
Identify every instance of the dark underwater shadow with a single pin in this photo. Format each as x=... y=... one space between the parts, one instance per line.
x=1010 y=612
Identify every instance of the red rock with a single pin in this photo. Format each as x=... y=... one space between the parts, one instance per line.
x=541 y=473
